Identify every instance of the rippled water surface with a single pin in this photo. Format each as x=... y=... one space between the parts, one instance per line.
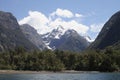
x=62 y=76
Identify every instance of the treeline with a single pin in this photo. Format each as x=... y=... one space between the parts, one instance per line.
x=91 y=60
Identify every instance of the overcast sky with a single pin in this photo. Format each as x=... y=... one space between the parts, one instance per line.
x=85 y=16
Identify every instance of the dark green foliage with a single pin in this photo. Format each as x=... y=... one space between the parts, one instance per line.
x=111 y=59
x=35 y=61
x=91 y=60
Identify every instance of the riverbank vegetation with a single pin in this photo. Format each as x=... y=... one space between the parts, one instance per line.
x=90 y=60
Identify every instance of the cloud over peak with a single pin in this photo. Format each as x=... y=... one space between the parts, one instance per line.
x=45 y=24
x=37 y=20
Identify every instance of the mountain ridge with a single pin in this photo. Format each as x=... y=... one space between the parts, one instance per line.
x=65 y=36
x=31 y=34
x=11 y=36
x=110 y=33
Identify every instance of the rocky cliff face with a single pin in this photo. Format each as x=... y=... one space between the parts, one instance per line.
x=10 y=34
x=33 y=36
x=110 y=33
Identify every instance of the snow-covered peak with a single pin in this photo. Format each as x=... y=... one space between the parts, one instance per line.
x=56 y=33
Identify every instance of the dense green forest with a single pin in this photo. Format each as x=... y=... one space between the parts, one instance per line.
x=90 y=60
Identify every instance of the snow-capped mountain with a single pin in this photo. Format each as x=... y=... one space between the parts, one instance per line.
x=59 y=38
x=63 y=39
x=54 y=34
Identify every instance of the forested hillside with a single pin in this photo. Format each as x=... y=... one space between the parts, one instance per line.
x=94 y=60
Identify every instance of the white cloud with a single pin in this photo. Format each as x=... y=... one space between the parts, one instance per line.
x=36 y=16
x=45 y=24
x=96 y=27
x=38 y=20
x=80 y=28
x=63 y=13
x=78 y=15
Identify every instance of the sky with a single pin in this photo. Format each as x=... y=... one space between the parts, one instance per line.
x=87 y=17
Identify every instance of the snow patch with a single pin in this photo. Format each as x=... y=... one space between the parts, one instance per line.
x=88 y=39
